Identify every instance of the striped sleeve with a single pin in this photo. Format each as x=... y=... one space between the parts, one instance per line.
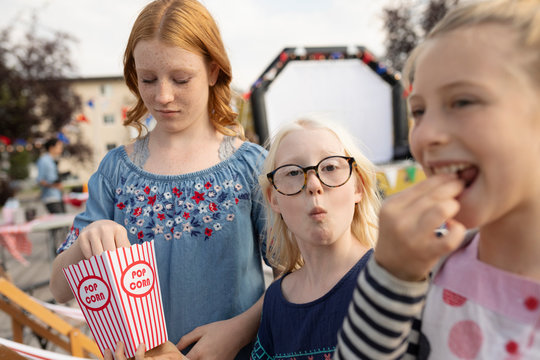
x=383 y=317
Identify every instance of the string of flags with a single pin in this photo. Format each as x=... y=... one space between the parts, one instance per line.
x=318 y=54
x=19 y=145
x=398 y=176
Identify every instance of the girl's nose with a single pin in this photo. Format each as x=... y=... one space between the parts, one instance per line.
x=432 y=131
x=313 y=184
x=164 y=94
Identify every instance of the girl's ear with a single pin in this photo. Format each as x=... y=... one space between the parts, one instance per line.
x=272 y=200
x=358 y=189
x=213 y=73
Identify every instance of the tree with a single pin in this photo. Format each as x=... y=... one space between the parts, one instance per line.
x=36 y=101
x=407 y=23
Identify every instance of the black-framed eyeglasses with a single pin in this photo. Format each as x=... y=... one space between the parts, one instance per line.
x=332 y=171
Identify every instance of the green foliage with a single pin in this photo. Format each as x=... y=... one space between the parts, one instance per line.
x=18 y=164
x=36 y=100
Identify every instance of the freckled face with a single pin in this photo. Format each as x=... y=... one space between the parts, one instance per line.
x=476 y=108
x=174 y=84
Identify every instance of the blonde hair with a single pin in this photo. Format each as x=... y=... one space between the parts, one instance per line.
x=521 y=16
x=282 y=250
x=189 y=25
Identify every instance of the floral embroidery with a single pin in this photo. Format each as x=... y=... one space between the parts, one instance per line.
x=197 y=211
x=198 y=197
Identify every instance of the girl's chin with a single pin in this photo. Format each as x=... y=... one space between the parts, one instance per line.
x=468 y=217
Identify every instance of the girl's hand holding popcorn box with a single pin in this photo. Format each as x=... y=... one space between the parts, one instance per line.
x=119 y=294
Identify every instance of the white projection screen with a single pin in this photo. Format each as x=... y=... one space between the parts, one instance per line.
x=346 y=91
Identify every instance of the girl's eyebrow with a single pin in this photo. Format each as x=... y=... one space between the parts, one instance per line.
x=450 y=86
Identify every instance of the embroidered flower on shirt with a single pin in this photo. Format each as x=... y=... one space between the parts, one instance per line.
x=198 y=210
x=158 y=229
x=198 y=197
x=176 y=191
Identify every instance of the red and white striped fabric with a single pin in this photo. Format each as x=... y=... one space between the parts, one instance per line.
x=118 y=292
x=66 y=311
x=31 y=352
x=15 y=239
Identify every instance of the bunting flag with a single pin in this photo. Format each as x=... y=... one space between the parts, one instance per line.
x=411 y=173
x=124 y=112
x=63 y=138
x=5 y=140
x=82 y=118
x=391 y=174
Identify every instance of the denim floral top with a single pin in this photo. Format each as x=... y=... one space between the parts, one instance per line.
x=208 y=228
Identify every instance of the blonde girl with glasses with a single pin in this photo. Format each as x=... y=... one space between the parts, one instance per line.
x=322 y=205
x=475 y=103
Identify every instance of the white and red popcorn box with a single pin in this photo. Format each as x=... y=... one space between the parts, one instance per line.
x=119 y=294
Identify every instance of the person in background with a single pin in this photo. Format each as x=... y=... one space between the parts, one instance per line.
x=48 y=177
x=427 y=293
x=322 y=202
x=190 y=185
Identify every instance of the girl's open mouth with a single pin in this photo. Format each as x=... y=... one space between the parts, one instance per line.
x=465 y=172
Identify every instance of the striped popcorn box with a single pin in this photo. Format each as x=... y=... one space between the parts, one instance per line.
x=118 y=292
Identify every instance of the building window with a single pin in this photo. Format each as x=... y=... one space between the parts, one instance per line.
x=105 y=89
x=111 y=146
x=108 y=119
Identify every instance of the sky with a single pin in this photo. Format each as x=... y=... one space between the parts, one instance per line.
x=254 y=31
